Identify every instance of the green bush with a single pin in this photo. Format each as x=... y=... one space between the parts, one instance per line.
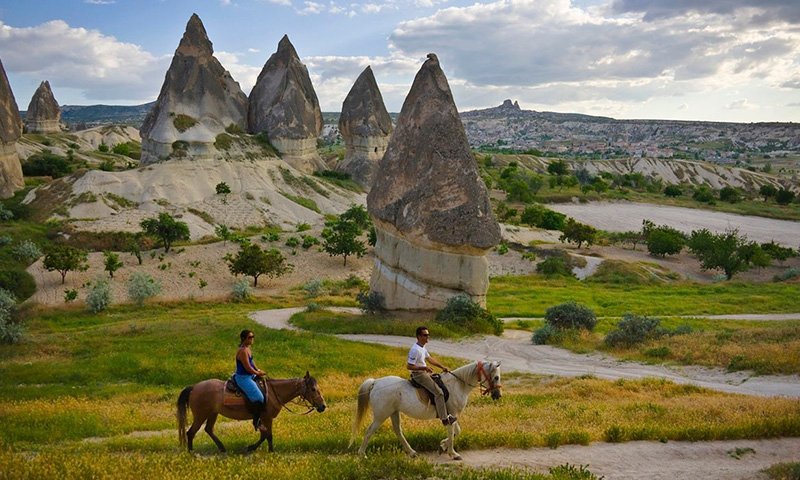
x=703 y=194
x=559 y=265
x=223 y=141
x=142 y=286
x=47 y=164
x=788 y=274
x=183 y=122
x=26 y=251
x=673 y=191
x=99 y=297
x=309 y=241
x=784 y=196
x=10 y=331
x=544 y=335
x=241 y=290
x=370 y=302
x=633 y=330
x=19 y=282
x=292 y=242
x=312 y=288
x=103 y=148
x=570 y=315
x=663 y=240
x=222 y=188
x=729 y=194
x=462 y=311
x=778 y=252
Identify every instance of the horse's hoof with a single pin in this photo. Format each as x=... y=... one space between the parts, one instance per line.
x=457 y=457
x=251 y=448
x=412 y=454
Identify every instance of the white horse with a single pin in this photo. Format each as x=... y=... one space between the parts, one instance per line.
x=388 y=396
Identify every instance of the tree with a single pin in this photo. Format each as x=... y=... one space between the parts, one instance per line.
x=673 y=191
x=63 y=259
x=703 y=194
x=577 y=232
x=166 y=228
x=729 y=194
x=664 y=240
x=726 y=251
x=111 y=263
x=223 y=232
x=559 y=167
x=784 y=196
x=340 y=237
x=767 y=191
x=631 y=237
x=359 y=215
x=254 y=262
x=137 y=243
x=222 y=188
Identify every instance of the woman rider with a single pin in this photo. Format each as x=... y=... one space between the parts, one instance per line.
x=246 y=373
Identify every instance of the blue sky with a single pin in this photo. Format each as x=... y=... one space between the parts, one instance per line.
x=722 y=60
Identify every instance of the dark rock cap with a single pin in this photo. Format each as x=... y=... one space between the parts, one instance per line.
x=363 y=111
x=283 y=102
x=10 y=123
x=507 y=105
x=194 y=77
x=43 y=105
x=427 y=184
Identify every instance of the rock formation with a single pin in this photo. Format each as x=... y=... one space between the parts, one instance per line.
x=44 y=114
x=10 y=131
x=198 y=101
x=430 y=207
x=365 y=126
x=283 y=105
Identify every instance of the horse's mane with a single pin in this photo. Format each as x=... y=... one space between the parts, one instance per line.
x=465 y=372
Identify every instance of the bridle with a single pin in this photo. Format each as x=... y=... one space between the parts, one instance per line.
x=303 y=393
x=492 y=386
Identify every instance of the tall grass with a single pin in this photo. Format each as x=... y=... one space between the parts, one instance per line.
x=530 y=296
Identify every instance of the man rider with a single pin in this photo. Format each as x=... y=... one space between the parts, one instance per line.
x=418 y=357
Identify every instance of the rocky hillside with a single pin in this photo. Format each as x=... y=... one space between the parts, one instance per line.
x=508 y=126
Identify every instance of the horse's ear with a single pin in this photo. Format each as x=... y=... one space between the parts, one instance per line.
x=307 y=374
x=499 y=362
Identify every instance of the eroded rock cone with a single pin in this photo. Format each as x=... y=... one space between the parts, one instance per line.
x=430 y=207
x=365 y=126
x=10 y=131
x=283 y=105
x=198 y=101
x=43 y=114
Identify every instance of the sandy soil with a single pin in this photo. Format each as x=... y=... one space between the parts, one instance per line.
x=623 y=216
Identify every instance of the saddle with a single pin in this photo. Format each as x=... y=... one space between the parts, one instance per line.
x=232 y=395
x=427 y=397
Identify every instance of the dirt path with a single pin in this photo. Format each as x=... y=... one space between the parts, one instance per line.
x=614 y=461
x=648 y=460
x=517 y=353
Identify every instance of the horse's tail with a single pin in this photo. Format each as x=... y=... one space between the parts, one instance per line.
x=183 y=402
x=363 y=404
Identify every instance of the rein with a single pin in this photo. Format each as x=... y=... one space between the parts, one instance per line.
x=484 y=390
x=284 y=405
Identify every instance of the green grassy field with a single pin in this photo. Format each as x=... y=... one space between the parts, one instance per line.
x=530 y=296
x=94 y=395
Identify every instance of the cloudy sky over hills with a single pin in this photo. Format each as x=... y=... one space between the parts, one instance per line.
x=725 y=60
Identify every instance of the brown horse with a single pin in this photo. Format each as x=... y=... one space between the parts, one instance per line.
x=206 y=401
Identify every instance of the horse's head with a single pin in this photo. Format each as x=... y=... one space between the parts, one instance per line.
x=312 y=394
x=489 y=377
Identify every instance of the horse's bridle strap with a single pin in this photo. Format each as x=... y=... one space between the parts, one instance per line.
x=487 y=378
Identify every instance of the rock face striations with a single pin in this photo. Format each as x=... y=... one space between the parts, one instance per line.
x=198 y=101
x=44 y=114
x=283 y=105
x=429 y=205
x=10 y=131
x=365 y=126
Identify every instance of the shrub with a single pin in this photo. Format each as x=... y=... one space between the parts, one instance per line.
x=302 y=227
x=99 y=296
x=241 y=290
x=673 y=191
x=26 y=251
x=778 y=252
x=222 y=188
x=555 y=266
x=464 y=312
x=10 y=331
x=292 y=242
x=544 y=335
x=183 y=122
x=312 y=307
x=111 y=263
x=788 y=274
x=663 y=240
x=5 y=214
x=223 y=141
x=502 y=248
x=370 y=302
x=5 y=239
x=703 y=194
x=309 y=241
x=102 y=148
x=633 y=330
x=47 y=164
x=570 y=315
x=784 y=196
x=142 y=286
x=70 y=295
x=19 y=282
x=729 y=194
x=312 y=288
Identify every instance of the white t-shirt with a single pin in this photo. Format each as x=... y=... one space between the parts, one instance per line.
x=417 y=355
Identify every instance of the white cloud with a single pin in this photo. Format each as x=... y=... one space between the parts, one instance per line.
x=742 y=104
x=99 y=65
x=311 y=8
x=246 y=75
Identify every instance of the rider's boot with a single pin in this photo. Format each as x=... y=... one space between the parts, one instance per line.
x=257 y=408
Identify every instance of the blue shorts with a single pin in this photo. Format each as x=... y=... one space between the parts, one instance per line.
x=248 y=385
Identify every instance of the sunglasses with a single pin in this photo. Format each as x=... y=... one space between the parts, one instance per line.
x=424 y=334
x=251 y=336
